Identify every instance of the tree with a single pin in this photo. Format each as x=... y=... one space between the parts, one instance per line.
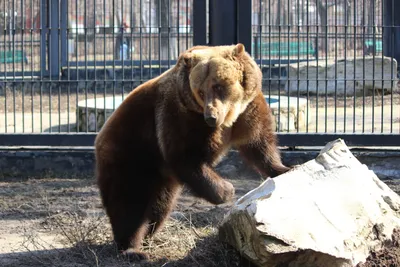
x=164 y=17
x=322 y=7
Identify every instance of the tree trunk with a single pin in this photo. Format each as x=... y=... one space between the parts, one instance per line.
x=278 y=11
x=323 y=15
x=347 y=8
x=371 y=14
x=166 y=44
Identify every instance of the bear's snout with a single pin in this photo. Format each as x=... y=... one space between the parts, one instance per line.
x=212 y=115
x=211 y=120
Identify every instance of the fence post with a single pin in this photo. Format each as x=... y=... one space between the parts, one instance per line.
x=53 y=52
x=199 y=22
x=64 y=27
x=230 y=22
x=245 y=32
x=43 y=34
x=391 y=31
x=223 y=22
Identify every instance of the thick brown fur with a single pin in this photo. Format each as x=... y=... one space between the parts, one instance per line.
x=158 y=140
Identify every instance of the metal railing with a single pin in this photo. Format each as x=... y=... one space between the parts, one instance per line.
x=329 y=67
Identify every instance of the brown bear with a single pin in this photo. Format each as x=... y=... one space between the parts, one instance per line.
x=172 y=130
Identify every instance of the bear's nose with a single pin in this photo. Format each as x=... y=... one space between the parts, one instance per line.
x=211 y=120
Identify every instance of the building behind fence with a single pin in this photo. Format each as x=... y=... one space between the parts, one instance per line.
x=329 y=66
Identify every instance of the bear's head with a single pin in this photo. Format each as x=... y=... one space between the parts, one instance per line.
x=223 y=81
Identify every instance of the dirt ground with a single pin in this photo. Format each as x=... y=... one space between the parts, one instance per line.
x=60 y=222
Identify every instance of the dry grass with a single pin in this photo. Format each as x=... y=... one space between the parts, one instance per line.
x=63 y=224
x=89 y=243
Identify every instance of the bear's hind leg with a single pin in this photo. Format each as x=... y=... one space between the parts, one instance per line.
x=163 y=203
x=126 y=205
x=129 y=225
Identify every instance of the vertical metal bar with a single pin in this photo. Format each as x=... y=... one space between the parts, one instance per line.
x=159 y=35
x=336 y=70
x=5 y=76
x=269 y=51
x=281 y=40
x=326 y=66
x=298 y=65
x=32 y=56
x=258 y=45
x=22 y=67
x=61 y=51
x=85 y=26
x=12 y=31
x=288 y=56
x=54 y=63
x=95 y=61
x=59 y=84
x=114 y=53
x=373 y=63
x=346 y=19
x=317 y=76
x=279 y=63
x=354 y=63
x=382 y=69
x=187 y=23
x=150 y=41
x=63 y=25
x=393 y=31
x=43 y=69
x=104 y=60
x=132 y=12
x=67 y=4
x=308 y=65
x=169 y=34
x=141 y=41
x=122 y=48
x=196 y=28
x=363 y=42
x=51 y=46
x=199 y=22
x=77 y=68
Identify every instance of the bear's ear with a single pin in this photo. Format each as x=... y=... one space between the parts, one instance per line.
x=187 y=59
x=238 y=50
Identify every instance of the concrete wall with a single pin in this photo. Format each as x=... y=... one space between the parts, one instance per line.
x=80 y=163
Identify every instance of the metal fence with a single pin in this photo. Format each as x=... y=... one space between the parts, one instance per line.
x=329 y=67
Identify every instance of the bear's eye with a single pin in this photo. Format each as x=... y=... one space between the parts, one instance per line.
x=217 y=88
x=201 y=94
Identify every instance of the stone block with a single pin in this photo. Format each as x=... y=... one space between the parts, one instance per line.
x=346 y=77
x=330 y=211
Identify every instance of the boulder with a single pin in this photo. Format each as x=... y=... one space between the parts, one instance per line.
x=330 y=211
x=344 y=76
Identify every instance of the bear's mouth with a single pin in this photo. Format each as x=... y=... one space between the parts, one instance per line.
x=211 y=121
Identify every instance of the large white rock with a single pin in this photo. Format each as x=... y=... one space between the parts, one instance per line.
x=345 y=76
x=330 y=211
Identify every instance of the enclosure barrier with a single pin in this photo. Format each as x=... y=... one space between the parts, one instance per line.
x=330 y=68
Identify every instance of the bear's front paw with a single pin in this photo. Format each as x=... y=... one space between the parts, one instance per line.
x=227 y=192
x=133 y=255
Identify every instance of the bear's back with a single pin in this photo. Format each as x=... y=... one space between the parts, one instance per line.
x=131 y=127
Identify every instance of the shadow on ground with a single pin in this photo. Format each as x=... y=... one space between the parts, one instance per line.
x=201 y=255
